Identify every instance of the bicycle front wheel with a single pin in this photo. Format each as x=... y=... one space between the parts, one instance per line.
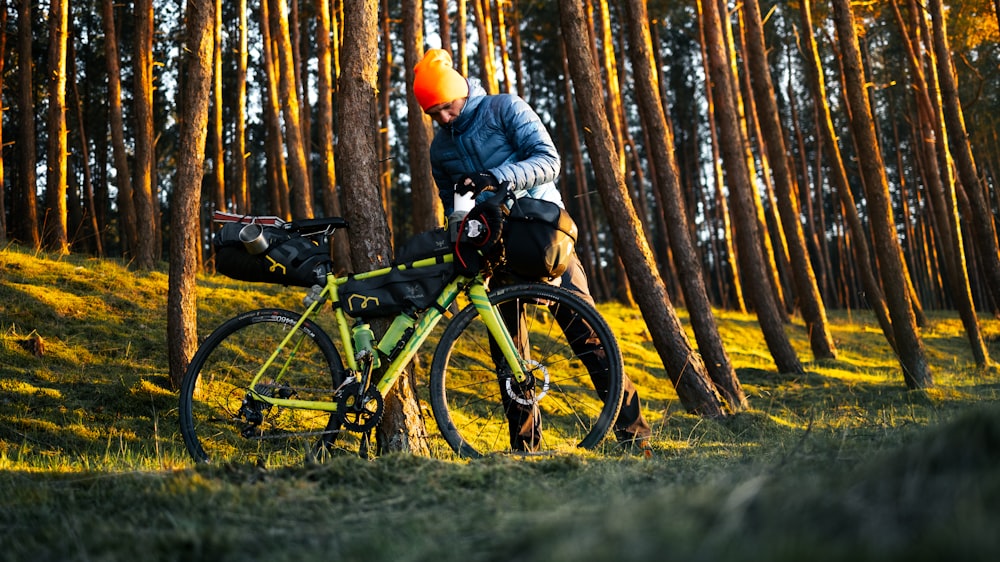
x=575 y=376
x=222 y=422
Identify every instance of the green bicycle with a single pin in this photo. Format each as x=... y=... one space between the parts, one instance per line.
x=528 y=368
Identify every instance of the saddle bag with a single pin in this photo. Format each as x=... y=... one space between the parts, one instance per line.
x=289 y=258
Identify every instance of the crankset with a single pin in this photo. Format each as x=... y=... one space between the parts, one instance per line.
x=360 y=410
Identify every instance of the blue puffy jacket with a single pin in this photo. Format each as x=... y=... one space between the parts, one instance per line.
x=500 y=134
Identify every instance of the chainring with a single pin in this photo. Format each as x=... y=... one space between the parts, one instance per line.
x=359 y=411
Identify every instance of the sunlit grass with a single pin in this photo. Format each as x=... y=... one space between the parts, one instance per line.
x=842 y=462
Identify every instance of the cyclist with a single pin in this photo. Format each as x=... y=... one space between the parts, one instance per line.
x=483 y=140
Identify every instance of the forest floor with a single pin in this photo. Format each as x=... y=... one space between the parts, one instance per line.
x=840 y=463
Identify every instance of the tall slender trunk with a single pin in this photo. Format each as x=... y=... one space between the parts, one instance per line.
x=182 y=327
x=719 y=368
x=402 y=427
x=813 y=309
x=444 y=27
x=218 y=178
x=982 y=220
x=771 y=266
x=590 y=242
x=484 y=27
x=384 y=145
x=909 y=346
x=744 y=199
x=327 y=177
x=238 y=150
x=684 y=367
x=147 y=252
x=274 y=143
x=462 y=13
x=25 y=210
x=505 y=68
x=90 y=208
x=299 y=183
x=427 y=208
x=733 y=280
x=55 y=184
x=123 y=177
x=942 y=189
x=817 y=84
x=3 y=60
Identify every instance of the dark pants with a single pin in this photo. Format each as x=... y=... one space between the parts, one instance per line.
x=524 y=420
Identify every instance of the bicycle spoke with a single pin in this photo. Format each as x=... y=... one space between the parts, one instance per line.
x=567 y=348
x=221 y=421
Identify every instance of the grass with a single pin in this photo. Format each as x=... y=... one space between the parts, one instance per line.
x=840 y=463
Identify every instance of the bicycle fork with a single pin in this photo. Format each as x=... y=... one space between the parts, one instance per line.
x=499 y=331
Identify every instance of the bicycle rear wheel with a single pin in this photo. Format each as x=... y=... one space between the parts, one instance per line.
x=575 y=368
x=221 y=422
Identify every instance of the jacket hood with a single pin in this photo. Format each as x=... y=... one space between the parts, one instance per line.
x=476 y=95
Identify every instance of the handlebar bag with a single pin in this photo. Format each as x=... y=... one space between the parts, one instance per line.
x=290 y=259
x=429 y=244
x=539 y=239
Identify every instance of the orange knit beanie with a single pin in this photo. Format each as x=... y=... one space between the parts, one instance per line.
x=435 y=81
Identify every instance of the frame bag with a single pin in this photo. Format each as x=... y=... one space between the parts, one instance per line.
x=290 y=258
x=400 y=289
x=404 y=287
x=539 y=239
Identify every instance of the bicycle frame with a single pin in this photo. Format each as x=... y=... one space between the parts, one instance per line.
x=475 y=288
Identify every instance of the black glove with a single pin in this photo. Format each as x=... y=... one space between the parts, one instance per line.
x=478 y=236
x=476 y=183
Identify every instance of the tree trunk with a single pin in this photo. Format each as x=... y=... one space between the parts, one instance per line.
x=590 y=237
x=505 y=68
x=238 y=151
x=744 y=200
x=25 y=210
x=661 y=148
x=982 y=220
x=218 y=182
x=128 y=229
x=813 y=309
x=444 y=28
x=147 y=253
x=733 y=280
x=909 y=346
x=484 y=27
x=462 y=13
x=771 y=266
x=427 y=208
x=683 y=365
x=328 y=163
x=402 y=427
x=55 y=177
x=274 y=143
x=942 y=189
x=516 y=57
x=182 y=327
x=384 y=145
x=298 y=161
x=3 y=60
x=814 y=75
x=90 y=211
